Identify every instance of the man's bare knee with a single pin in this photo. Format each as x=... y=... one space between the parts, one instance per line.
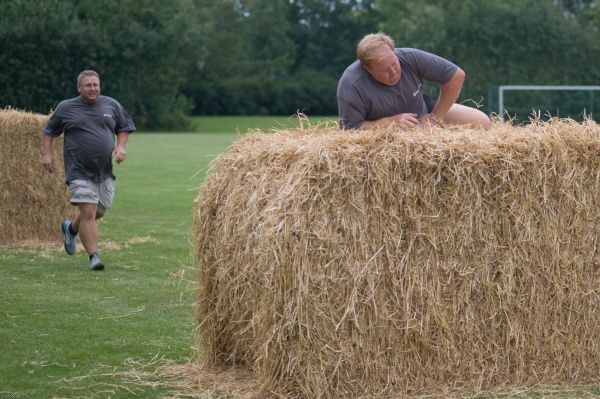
x=87 y=211
x=463 y=115
x=481 y=120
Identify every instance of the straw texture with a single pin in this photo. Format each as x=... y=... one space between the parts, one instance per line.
x=32 y=201
x=390 y=263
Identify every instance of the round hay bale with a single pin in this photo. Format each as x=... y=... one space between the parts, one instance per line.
x=388 y=263
x=32 y=200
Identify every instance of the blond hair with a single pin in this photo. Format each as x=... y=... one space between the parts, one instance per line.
x=369 y=48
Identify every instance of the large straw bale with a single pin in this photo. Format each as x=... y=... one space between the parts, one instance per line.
x=389 y=263
x=32 y=200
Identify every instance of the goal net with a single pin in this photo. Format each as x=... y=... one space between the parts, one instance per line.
x=519 y=103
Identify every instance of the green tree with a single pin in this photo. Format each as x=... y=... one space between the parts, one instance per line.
x=580 y=9
x=282 y=56
x=33 y=66
x=499 y=42
x=325 y=35
x=143 y=50
x=247 y=51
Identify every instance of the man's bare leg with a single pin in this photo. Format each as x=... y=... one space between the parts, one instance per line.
x=85 y=225
x=463 y=115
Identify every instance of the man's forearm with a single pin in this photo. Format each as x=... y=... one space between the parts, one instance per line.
x=47 y=159
x=47 y=145
x=119 y=152
x=378 y=122
x=371 y=124
x=449 y=93
x=122 y=138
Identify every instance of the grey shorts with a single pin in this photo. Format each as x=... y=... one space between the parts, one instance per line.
x=88 y=192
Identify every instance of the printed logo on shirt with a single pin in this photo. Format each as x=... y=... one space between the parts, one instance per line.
x=418 y=90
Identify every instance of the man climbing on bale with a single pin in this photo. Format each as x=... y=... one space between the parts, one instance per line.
x=385 y=86
x=90 y=123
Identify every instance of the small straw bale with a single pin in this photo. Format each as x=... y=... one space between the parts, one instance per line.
x=389 y=263
x=32 y=200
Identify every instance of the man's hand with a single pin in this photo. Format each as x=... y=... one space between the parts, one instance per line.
x=404 y=120
x=430 y=120
x=48 y=162
x=119 y=154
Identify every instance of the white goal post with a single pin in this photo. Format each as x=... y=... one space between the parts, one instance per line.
x=502 y=89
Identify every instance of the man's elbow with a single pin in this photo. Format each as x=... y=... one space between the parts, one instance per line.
x=459 y=76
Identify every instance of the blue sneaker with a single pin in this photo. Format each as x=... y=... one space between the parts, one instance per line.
x=95 y=262
x=69 y=240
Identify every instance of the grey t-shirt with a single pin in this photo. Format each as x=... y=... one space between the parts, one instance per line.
x=360 y=97
x=89 y=135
